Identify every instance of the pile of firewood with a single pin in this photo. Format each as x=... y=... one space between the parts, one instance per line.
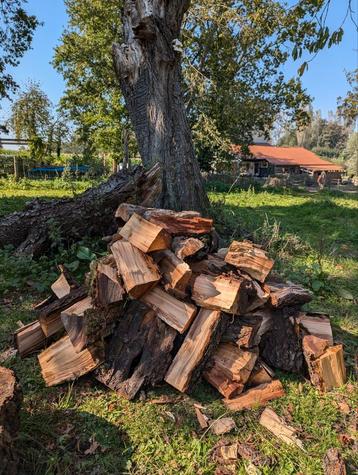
x=167 y=305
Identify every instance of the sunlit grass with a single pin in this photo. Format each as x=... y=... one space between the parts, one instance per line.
x=139 y=438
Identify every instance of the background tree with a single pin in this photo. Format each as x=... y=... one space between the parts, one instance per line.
x=16 y=32
x=30 y=118
x=348 y=106
x=92 y=99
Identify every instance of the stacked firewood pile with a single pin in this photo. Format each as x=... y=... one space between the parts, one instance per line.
x=166 y=304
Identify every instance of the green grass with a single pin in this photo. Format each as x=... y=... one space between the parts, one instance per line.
x=314 y=239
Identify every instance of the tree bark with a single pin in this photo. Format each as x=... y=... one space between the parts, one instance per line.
x=89 y=214
x=149 y=71
x=10 y=402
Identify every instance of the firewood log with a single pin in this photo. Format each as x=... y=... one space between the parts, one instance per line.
x=107 y=288
x=221 y=293
x=86 y=324
x=144 y=235
x=175 y=223
x=325 y=365
x=138 y=353
x=174 y=312
x=234 y=363
x=60 y=362
x=249 y=258
x=138 y=270
x=257 y=396
x=175 y=272
x=286 y=295
x=317 y=324
x=212 y=265
x=281 y=345
x=225 y=385
x=194 y=349
x=29 y=338
x=50 y=315
x=184 y=247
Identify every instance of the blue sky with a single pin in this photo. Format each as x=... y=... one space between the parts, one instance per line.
x=325 y=79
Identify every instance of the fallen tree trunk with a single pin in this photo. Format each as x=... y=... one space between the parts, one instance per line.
x=90 y=214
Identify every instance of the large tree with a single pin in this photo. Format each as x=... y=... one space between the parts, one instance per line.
x=92 y=98
x=148 y=65
x=16 y=31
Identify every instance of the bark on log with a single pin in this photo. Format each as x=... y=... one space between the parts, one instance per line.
x=89 y=214
x=281 y=346
x=10 y=401
x=138 y=353
x=147 y=64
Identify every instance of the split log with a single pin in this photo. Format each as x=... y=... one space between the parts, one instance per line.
x=60 y=362
x=10 y=402
x=260 y=375
x=287 y=295
x=138 y=270
x=29 y=338
x=61 y=287
x=184 y=247
x=230 y=365
x=212 y=265
x=107 y=288
x=89 y=214
x=221 y=293
x=175 y=223
x=194 y=351
x=138 y=353
x=50 y=315
x=226 y=386
x=281 y=345
x=175 y=272
x=249 y=258
x=277 y=426
x=257 y=396
x=144 y=235
x=86 y=324
x=244 y=331
x=260 y=295
x=174 y=312
x=325 y=365
x=317 y=324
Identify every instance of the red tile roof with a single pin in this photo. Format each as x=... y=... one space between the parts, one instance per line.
x=290 y=156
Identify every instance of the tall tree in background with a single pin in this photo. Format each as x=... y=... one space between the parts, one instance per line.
x=92 y=97
x=348 y=106
x=16 y=31
x=30 y=118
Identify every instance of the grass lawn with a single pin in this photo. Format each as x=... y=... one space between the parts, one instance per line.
x=82 y=428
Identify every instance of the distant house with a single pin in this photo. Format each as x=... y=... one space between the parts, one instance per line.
x=267 y=160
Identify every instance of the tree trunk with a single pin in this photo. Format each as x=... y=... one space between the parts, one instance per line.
x=89 y=214
x=149 y=71
x=10 y=402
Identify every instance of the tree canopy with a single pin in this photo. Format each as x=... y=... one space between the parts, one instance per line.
x=233 y=53
x=16 y=32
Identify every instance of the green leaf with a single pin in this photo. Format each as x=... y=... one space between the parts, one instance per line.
x=317 y=285
x=85 y=254
x=302 y=68
x=345 y=294
x=73 y=266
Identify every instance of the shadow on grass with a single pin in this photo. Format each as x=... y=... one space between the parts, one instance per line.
x=70 y=442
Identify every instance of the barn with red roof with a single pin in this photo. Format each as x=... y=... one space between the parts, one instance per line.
x=268 y=160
